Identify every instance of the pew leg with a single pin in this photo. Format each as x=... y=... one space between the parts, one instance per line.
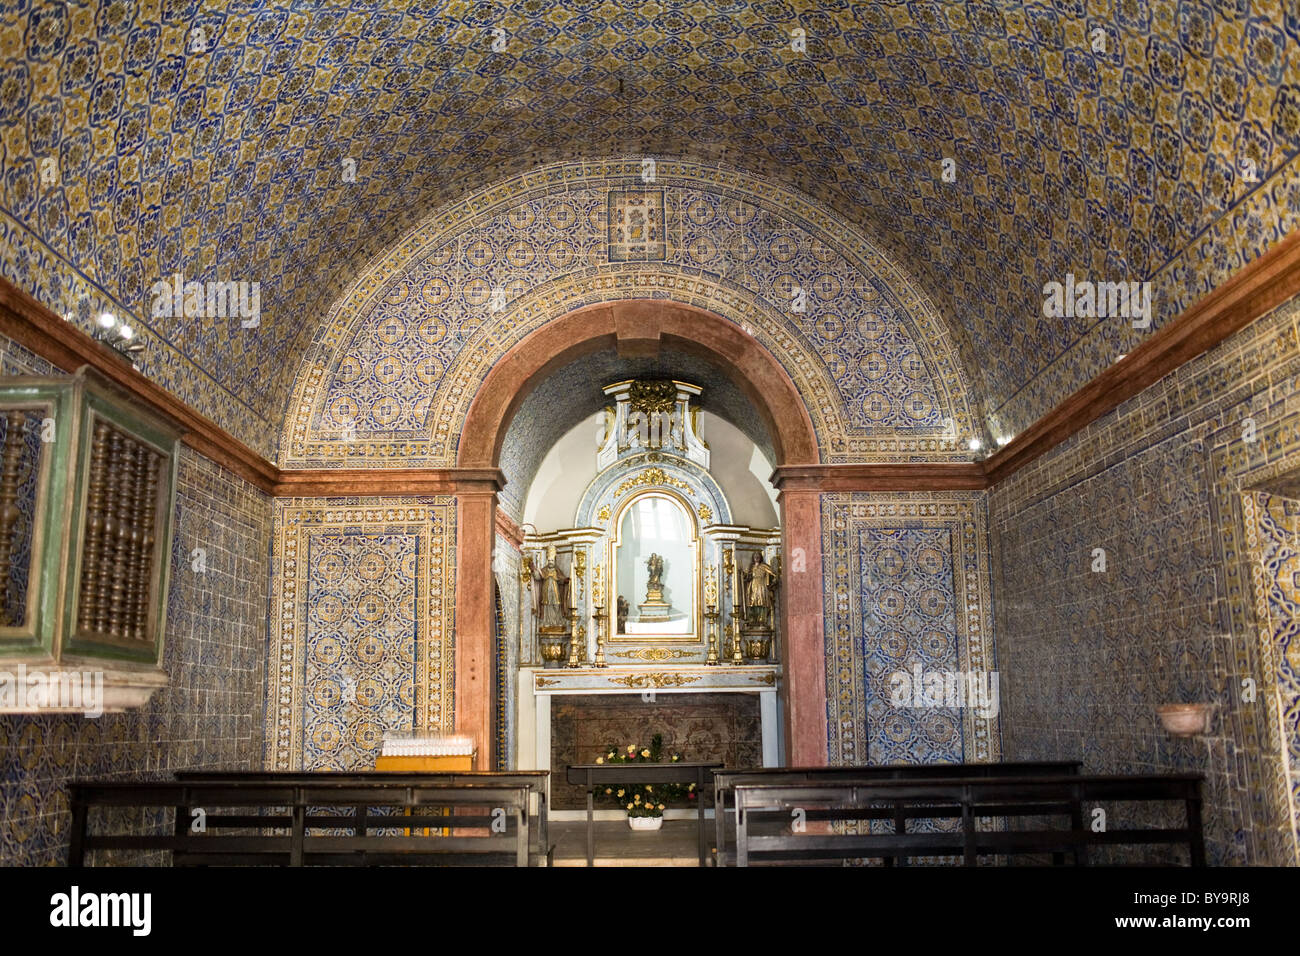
x=900 y=828
x=699 y=806
x=298 y=834
x=77 y=835
x=522 y=837
x=1076 y=821
x=1196 y=838
x=180 y=828
x=970 y=858
x=591 y=827
x=543 y=836
x=742 y=837
x=719 y=824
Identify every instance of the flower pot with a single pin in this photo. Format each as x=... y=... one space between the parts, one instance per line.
x=645 y=823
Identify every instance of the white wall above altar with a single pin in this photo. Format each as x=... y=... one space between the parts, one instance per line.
x=736 y=463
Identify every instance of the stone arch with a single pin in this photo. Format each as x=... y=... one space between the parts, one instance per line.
x=637 y=327
x=640 y=327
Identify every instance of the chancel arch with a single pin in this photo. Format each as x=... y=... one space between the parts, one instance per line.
x=640 y=336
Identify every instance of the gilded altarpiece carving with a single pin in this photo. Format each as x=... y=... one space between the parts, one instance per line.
x=654 y=528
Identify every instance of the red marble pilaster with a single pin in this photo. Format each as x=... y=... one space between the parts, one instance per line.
x=475 y=619
x=803 y=651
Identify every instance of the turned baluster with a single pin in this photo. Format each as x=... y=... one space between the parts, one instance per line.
x=135 y=453
x=9 y=513
x=121 y=563
x=142 y=539
x=89 y=612
x=107 y=543
x=151 y=522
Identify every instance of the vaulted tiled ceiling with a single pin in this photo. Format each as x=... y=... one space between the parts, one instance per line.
x=1124 y=140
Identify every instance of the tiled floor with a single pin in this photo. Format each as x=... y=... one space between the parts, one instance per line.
x=618 y=845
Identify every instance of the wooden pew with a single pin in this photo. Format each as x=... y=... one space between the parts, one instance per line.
x=534 y=779
x=488 y=823
x=967 y=799
x=724 y=781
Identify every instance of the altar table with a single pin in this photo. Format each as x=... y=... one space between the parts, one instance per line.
x=593 y=775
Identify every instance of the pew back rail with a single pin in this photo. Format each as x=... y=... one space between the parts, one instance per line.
x=476 y=824
x=534 y=779
x=764 y=833
x=725 y=781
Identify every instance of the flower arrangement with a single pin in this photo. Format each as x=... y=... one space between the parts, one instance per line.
x=645 y=799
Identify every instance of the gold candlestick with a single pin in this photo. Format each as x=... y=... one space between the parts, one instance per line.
x=711 y=615
x=573 y=637
x=736 y=656
x=598 y=622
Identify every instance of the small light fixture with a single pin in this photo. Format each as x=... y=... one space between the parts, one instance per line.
x=118 y=336
x=974 y=444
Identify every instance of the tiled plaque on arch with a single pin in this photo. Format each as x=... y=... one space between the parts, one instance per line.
x=636 y=225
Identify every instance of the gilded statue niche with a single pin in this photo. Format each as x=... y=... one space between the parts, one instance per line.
x=653 y=531
x=655 y=567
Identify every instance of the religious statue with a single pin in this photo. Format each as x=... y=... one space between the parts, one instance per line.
x=760 y=592
x=551 y=604
x=622 y=614
x=655 y=608
x=655 y=565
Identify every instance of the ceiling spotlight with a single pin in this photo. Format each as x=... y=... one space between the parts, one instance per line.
x=118 y=336
x=974 y=444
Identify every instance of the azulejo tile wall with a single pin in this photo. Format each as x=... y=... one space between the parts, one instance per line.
x=401 y=355
x=362 y=637
x=1158 y=484
x=906 y=588
x=209 y=715
x=1273 y=535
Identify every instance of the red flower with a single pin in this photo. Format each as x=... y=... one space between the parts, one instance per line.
x=692 y=796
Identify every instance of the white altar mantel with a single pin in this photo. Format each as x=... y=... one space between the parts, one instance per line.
x=537 y=686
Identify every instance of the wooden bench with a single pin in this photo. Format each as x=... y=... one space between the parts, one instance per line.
x=764 y=814
x=534 y=779
x=724 y=781
x=593 y=775
x=487 y=823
